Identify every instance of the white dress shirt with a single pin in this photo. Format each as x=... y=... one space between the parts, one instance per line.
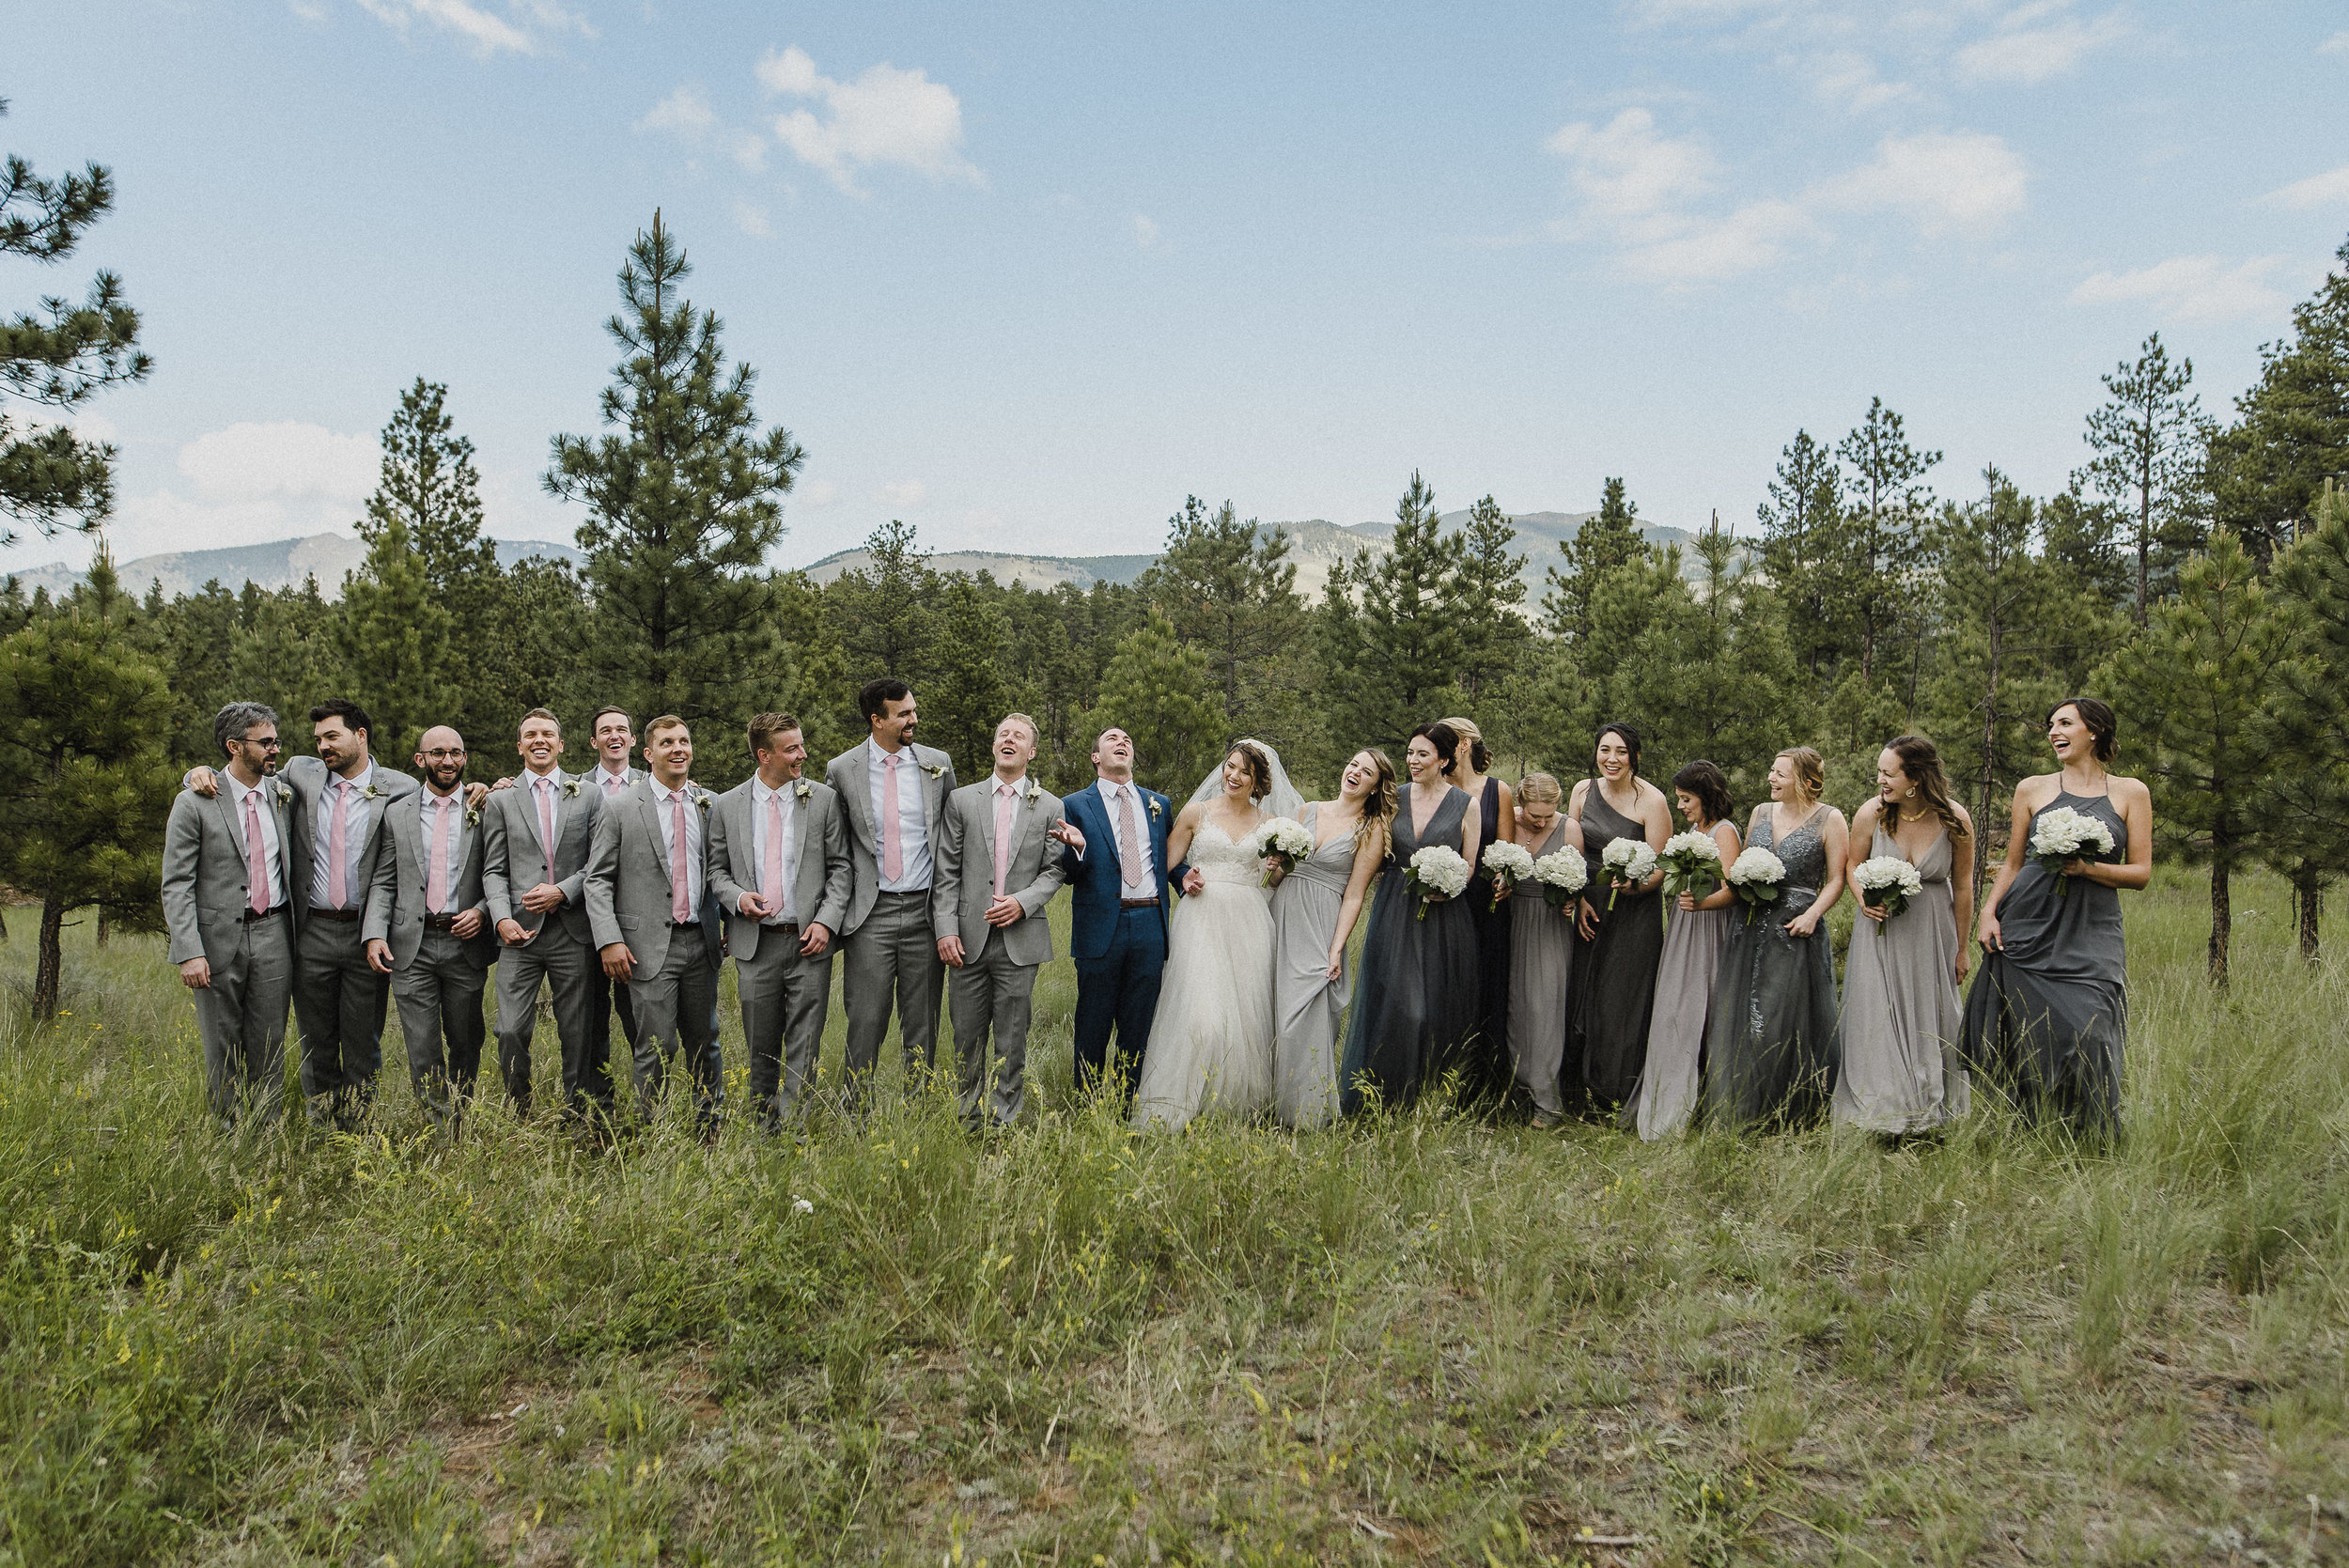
x=788 y=913
x=1149 y=886
x=453 y=804
x=357 y=809
x=664 y=808
x=237 y=792
x=528 y=784
x=913 y=825
x=612 y=783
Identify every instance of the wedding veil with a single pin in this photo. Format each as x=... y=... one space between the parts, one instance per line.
x=1283 y=800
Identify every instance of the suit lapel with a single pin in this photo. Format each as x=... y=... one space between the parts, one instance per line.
x=652 y=820
x=236 y=829
x=528 y=789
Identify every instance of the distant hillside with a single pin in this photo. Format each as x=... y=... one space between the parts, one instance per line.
x=278 y=563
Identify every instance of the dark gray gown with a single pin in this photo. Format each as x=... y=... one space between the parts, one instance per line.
x=1489 y=1058
x=1415 y=1000
x=1771 y=1046
x=2048 y=1016
x=1615 y=973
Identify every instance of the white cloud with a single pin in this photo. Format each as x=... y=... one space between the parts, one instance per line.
x=1628 y=174
x=1849 y=82
x=2024 y=56
x=2191 y=288
x=280 y=461
x=815 y=493
x=907 y=493
x=1145 y=232
x=751 y=219
x=1754 y=236
x=885 y=117
x=521 y=30
x=684 y=113
x=1946 y=181
x=2336 y=44
x=2329 y=188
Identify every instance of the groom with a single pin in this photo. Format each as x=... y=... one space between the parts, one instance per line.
x=1120 y=896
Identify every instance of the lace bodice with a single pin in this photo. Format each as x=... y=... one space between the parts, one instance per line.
x=1803 y=850
x=1219 y=858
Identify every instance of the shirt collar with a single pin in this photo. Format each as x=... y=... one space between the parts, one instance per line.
x=760 y=793
x=1011 y=786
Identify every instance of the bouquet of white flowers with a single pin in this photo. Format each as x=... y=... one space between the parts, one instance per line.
x=1887 y=882
x=1627 y=861
x=1507 y=865
x=1435 y=872
x=1755 y=876
x=1284 y=840
x=1690 y=859
x=1562 y=875
x=2063 y=835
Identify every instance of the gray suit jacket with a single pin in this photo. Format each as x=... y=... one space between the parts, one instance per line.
x=825 y=875
x=514 y=861
x=396 y=906
x=309 y=776
x=851 y=774
x=205 y=891
x=628 y=876
x=965 y=885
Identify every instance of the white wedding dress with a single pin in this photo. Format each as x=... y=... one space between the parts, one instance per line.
x=1211 y=1039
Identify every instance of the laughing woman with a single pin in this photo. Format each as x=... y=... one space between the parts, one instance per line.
x=2050 y=1016
x=1614 y=965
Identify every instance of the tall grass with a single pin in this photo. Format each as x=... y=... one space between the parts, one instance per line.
x=1425 y=1335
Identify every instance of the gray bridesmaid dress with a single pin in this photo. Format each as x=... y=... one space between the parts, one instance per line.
x=1683 y=1005
x=1770 y=1049
x=1415 y=1001
x=1307 y=1004
x=1541 y=965
x=1902 y=1071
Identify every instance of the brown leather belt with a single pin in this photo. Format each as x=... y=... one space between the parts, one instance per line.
x=685 y=926
x=1137 y=903
x=439 y=922
x=249 y=917
x=789 y=927
x=345 y=916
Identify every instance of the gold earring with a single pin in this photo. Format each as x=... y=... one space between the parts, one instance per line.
x=1912 y=792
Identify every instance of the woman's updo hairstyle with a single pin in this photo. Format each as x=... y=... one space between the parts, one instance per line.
x=1630 y=739
x=1810 y=770
x=2103 y=729
x=1479 y=756
x=1445 y=739
x=1710 y=786
x=1537 y=787
x=1259 y=769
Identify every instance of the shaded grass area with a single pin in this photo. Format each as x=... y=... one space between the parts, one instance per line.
x=1422 y=1338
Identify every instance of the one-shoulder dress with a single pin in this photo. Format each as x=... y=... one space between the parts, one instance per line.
x=1416 y=1000
x=1770 y=1047
x=1902 y=1072
x=1615 y=973
x=1307 y=1004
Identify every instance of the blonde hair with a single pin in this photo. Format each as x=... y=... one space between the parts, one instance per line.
x=1035 y=731
x=1810 y=770
x=1479 y=754
x=1377 y=824
x=1540 y=786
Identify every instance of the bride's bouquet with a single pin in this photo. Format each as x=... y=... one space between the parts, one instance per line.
x=1755 y=876
x=1689 y=860
x=1281 y=839
x=1562 y=876
x=2062 y=835
x=1507 y=865
x=1627 y=861
x=1435 y=873
x=1887 y=882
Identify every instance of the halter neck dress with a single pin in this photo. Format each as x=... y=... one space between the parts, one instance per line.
x=1902 y=1072
x=1416 y=1003
x=1770 y=1047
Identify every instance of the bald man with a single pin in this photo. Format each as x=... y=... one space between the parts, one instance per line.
x=428 y=926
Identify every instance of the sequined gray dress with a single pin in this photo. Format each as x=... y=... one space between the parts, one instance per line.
x=1770 y=1047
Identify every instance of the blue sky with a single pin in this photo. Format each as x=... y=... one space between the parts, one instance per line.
x=1025 y=277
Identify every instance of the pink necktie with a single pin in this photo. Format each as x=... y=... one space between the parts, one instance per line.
x=612 y=783
x=337 y=824
x=1004 y=798
x=436 y=879
x=893 y=863
x=770 y=872
x=546 y=823
x=680 y=891
x=1129 y=838
x=255 y=856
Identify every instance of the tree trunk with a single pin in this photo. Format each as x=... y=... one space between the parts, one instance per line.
x=2221 y=917
x=2312 y=900
x=101 y=926
x=50 y=970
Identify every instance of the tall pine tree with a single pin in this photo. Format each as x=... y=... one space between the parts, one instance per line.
x=396 y=638
x=1395 y=645
x=1156 y=689
x=2147 y=441
x=1888 y=516
x=1231 y=591
x=1800 y=544
x=2292 y=429
x=1489 y=604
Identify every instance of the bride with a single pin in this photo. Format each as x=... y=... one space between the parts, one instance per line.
x=1211 y=1039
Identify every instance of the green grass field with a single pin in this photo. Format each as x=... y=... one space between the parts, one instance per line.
x=1426 y=1338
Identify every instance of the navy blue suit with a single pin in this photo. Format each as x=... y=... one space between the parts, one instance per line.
x=1120 y=953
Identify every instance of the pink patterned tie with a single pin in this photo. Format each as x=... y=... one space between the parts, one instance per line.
x=613 y=783
x=1004 y=797
x=338 y=826
x=771 y=871
x=1129 y=838
x=546 y=823
x=680 y=890
x=892 y=862
x=436 y=879
x=255 y=855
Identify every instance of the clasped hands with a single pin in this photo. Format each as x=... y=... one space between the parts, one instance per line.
x=1002 y=910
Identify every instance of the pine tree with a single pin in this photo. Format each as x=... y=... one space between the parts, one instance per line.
x=1401 y=647
x=2307 y=716
x=1602 y=544
x=1156 y=689
x=1801 y=534
x=1487 y=604
x=84 y=784
x=2193 y=681
x=1887 y=520
x=967 y=694
x=884 y=608
x=285 y=656
x=1230 y=590
x=2292 y=429
x=2145 y=437
x=395 y=637
x=820 y=695
x=683 y=504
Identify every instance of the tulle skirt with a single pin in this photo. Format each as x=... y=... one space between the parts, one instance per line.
x=1211 y=1039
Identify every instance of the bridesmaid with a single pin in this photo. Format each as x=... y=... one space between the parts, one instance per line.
x=1614 y=965
x=2050 y=1014
x=1902 y=1072
x=1417 y=1001
x=1541 y=955
x=1488 y=1064
x=1314 y=910
x=1692 y=959
x=1770 y=1045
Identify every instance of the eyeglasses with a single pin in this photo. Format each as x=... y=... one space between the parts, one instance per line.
x=267 y=743
x=445 y=754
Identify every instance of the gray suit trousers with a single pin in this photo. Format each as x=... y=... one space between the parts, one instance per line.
x=340 y=1005
x=785 y=1001
x=992 y=995
x=439 y=1016
x=570 y=968
x=674 y=1010
x=892 y=962
x=241 y=1016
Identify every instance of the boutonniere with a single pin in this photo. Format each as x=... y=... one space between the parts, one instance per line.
x=702 y=798
x=472 y=817
x=282 y=791
x=369 y=793
x=1032 y=793
x=1155 y=811
x=937 y=771
x=803 y=789
x=570 y=787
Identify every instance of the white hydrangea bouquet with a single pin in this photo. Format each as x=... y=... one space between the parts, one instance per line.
x=1562 y=876
x=1436 y=872
x=1887 y=882
x=1281 y=839
x=1627 y=863
x=2064 y=834
x=1507 y=865
x=1756 y=876
x=1689 y=859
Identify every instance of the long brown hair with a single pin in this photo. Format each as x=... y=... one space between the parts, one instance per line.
x=1920 y=759
x=1377 y=824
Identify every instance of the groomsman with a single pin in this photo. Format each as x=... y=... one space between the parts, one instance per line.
x=998 y=864
x=614 y=737
x=1118 y=910
x=536 y=838
x=896 y=794
x=655 y=926
x=232 y=858
x=779 y=860
x=429 y=919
